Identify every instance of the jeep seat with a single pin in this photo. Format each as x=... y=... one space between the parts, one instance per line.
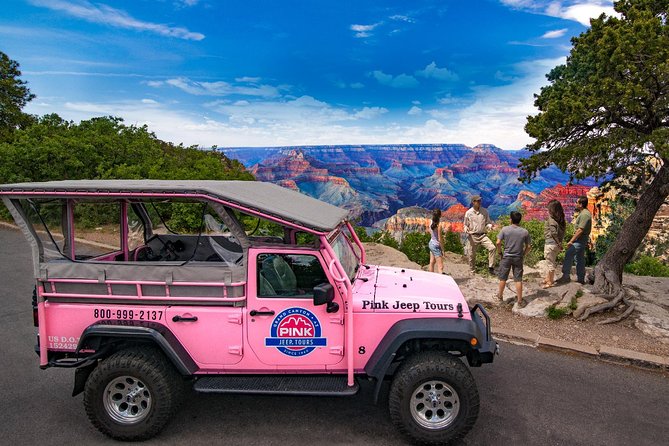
x=279 y=275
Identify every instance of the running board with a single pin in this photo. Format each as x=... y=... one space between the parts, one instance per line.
x=313 y=385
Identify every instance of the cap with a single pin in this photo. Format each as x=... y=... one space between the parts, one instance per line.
x=476 y=198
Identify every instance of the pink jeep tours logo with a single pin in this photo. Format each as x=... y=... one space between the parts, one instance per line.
x=295 y=332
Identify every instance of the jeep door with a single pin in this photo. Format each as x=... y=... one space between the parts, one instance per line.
x=284 y=326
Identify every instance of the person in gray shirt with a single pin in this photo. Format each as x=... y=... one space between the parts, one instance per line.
x=516 y=246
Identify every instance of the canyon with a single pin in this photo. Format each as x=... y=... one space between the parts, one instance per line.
x=395 y=186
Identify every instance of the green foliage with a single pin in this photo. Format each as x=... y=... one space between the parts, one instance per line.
x=105 y=148
x=14 y=95
x=620 y=210
x=536 y=230
x=554 y=313
x=260 y=227
x=414 y=245
x=605 y=112
x=648 y=266
x=452 y=242
x=573 y=304
x=362 y=234
x=385 y=238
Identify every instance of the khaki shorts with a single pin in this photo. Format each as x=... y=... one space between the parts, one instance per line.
x=550 y=254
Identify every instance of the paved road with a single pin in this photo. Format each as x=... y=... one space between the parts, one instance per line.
x=528 y=397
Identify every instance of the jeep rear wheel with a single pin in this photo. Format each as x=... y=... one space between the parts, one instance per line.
x=433 y=399
x=132 y=394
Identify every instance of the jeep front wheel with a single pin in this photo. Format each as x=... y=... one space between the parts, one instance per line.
x=433 y=398
x=132 y=394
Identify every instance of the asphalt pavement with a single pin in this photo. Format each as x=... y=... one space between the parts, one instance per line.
x=528 y=397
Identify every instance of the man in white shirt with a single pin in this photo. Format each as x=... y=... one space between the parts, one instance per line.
x=476 y=225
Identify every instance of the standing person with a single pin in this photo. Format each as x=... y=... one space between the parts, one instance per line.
x=516 y=246
x=578 y=242
x=435 y=245
x=554 y=229
x=477 y=223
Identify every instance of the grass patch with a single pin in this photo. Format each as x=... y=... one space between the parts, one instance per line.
x=573 y=304
x=555 y=313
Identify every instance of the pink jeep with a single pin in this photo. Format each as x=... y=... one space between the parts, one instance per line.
x=270 y=295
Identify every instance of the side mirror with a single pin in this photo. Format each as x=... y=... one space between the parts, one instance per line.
x=324 y=295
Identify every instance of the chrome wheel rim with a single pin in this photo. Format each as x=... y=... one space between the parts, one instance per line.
x=127 y=400
x=434 y=404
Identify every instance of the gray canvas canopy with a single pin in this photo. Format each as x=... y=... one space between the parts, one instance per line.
x=257 y=196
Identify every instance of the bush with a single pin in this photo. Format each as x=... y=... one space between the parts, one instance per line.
x=385 y=238
x=620 y=210
x=362 y=234
x=414 y=245
x=555 y=313
x=452 y=242
x=648 y=266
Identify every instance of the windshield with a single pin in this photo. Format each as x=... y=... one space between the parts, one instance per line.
x=346 y=255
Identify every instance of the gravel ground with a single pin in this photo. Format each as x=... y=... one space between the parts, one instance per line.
x=621 y=334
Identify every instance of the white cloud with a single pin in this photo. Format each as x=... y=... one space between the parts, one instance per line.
x=362 y=31
x=370 y=112
x=187 y=2
x=357 y=85
x=402 y=18
x=219 y=88
x=249 y=79
x=442 y=74
x=399 y=81
x=580 y=11
x=106 y=15
x=555 y=34
x=494 y=114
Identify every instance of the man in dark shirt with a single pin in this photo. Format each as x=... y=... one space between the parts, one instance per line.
x=516 y=246
x=578 y=243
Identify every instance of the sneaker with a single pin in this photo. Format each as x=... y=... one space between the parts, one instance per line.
x=491 y=270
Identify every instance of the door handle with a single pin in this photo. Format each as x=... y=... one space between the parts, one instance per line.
x=178 y=318
x=261 y=313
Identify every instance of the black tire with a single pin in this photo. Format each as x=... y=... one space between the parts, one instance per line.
x=132 y=394
x=433 y=399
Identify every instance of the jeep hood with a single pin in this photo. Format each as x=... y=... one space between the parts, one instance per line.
x=388 y=289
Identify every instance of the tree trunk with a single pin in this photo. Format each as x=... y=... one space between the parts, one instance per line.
x=609 y=271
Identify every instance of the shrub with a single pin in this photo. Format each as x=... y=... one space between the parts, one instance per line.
x=648 y=266
x=555 y=313
x=362 y=234
x=620 y=210
x=414 y=245
x=385 y=238
x=452 y=242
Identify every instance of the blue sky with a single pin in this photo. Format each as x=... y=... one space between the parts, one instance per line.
x=296 y=72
